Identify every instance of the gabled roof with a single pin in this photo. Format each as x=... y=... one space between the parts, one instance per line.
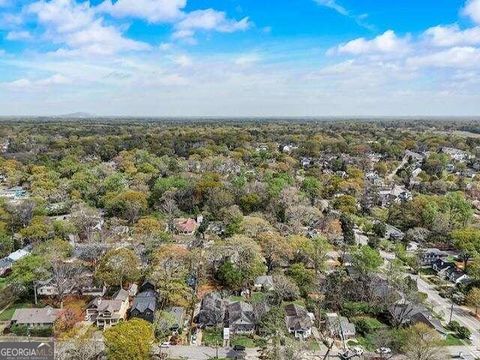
x=297 y=317
x=185 y=225
x=46 y=315
x=121 y=295
x=241 y=313
x=6 y=263
x=145 y=300
x=264 y=280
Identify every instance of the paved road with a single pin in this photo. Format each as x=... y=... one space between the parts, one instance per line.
x=443 y=307
x=204 y=353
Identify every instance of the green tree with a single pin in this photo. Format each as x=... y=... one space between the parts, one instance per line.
x=422 y=343
x=129 y=340
x=312 y=187
x=27 y=270
x=473 y=298
x=366 y=260
x=467 y=240
x=129 y=205
x=347 y=229
x=118 y=266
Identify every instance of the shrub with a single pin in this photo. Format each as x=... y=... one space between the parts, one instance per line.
x=366 y=325
x=463 y=333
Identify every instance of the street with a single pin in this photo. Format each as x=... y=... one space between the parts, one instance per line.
x=204 y=352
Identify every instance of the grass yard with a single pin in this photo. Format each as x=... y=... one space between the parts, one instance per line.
x=212 y=337
x=8 y=313
x=3 y=283
x=452 y=340
x=243 y=340
x=257 y=297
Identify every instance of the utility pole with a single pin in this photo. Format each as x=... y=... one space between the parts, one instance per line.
x=35 y=291
x=451 y=312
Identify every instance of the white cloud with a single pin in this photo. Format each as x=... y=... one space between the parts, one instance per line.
x=183 y=60
x=37 y=84
x=452 y=35
x=153 y=11
x=387 y=43
x=78 y=27
x=208 y=20
x=18 y=35
x=332 y=4
x=247 y=60
x=456 y=57
x=472 y=10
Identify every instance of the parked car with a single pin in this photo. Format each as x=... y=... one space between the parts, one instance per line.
x=239 y=348
x=165 y=345
x=383 y=350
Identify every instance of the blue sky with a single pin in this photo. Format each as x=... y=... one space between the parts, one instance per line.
x=240 y=57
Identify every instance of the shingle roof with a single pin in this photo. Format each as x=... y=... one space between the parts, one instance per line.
x=46 y=315
x=240 y=312
x=145 y=300
x=297 y=317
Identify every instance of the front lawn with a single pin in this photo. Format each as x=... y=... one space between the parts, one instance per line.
x=246 y=341
x=212 y=337
x=249 y=341
x=452 y=340
x=8 y=313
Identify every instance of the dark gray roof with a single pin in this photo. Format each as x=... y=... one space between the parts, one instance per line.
x=46 y=315
x=121 y=295
x=6 y=263
x=240 y=313
x=145 y=300
x=297 y=317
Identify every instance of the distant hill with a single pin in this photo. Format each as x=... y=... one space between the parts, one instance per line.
x=77 y=115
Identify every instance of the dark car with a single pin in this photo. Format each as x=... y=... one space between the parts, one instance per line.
x=239 y=348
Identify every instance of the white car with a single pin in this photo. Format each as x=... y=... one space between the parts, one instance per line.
x=357 y=350
x=165 y=345
x=383 y=350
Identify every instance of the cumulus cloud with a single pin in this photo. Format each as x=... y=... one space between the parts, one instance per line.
x=78 y=27
x=456 y=57
x=386 y=43
x=153 y=11
x=452 y=35
x=472 y=10
x=18 y=35
x=208 y=20
x=37 y=84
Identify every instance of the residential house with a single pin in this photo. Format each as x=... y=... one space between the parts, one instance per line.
x=7 y=262
x=185 y=226
x=106 y=313
x=178 y=314
x=456 y=275
x=49 y=288
x=240 y=318
x=408 y=314
x=440 y=266
x=455 y=154
x=14 y=193
x=396 y=194
x=339 y=327
x=5 y=266
x=429 y=256
x=264 y=282
x=144 y=305
x=393 y=233
x=299 y=322
x=36 y=317
x=212 y=311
